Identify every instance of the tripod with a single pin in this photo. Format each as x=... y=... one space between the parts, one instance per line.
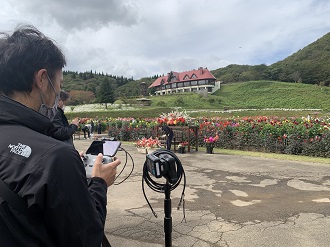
x=162 y=164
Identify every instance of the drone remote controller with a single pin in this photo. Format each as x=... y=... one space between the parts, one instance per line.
x=89 y=161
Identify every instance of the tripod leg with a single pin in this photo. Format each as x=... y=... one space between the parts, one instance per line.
x=168 y=217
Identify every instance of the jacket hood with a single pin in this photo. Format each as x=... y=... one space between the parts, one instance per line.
x=15 y=113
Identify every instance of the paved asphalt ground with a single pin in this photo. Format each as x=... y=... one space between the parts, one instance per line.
x=231 y=200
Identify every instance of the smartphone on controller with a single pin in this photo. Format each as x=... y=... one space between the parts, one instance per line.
x=108 y=148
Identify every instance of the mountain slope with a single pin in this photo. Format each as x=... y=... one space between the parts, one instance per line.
x=309 y=65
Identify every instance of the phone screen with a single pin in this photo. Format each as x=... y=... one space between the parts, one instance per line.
x=110 y=148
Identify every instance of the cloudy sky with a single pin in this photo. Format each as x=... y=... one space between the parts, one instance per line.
x=142 y=38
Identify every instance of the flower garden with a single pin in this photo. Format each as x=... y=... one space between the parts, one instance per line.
x=299 y=136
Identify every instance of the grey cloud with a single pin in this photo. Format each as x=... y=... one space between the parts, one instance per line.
x=147 y=37
x=82 y=14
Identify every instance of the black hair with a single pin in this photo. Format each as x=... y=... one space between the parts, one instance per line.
x=22 y=54
x=64 y=95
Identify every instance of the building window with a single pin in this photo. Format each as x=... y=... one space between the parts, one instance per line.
x=173 y=78
x=186 y=77
x=193 y=83
x=193 y=76
x=210 y=82
x=180 y=84
x=186 y=83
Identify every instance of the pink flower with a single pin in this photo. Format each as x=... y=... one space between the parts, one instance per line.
x=211 y=139
x=148 y=143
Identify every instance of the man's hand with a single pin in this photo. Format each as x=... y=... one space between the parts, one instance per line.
x=75 y=121
x=105 y=171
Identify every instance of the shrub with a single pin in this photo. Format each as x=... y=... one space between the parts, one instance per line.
x=179 y=102
x=161 y=103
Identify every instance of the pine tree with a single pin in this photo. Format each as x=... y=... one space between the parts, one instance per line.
x=106 y=92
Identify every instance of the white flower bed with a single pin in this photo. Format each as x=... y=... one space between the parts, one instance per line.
x=98 y=108
x=265 y=109
x=123 y=107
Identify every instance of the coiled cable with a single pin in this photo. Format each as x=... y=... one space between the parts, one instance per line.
x=160 y=187
x=123 y=167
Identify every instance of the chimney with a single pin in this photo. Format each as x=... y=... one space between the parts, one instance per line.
x=201 y=70
x=169 y=76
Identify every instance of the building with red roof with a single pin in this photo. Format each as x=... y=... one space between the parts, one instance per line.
x=197 y=80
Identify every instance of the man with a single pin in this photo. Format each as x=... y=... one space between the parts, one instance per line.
x=64 y=130
x=87 y=129
x=99 y=127
x=92 y=127
x=168 y=133
x=63 y=208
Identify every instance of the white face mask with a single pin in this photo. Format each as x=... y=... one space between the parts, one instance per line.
x=45 y=109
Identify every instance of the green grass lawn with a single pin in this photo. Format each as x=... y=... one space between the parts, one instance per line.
x=273 y=94
x=256 y=95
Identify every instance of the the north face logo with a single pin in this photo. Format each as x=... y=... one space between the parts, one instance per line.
x=20 y=149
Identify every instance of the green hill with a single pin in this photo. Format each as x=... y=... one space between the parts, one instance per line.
x=252 y=95
x=309 y=65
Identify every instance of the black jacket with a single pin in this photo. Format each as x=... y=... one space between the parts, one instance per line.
x=167 y=130
x=49 y=175
x=64 y=130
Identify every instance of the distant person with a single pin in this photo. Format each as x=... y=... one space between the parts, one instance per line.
x=99 y=127
x=87 y=129
x=64 y=130
x=168 y=133
x=92 y=127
